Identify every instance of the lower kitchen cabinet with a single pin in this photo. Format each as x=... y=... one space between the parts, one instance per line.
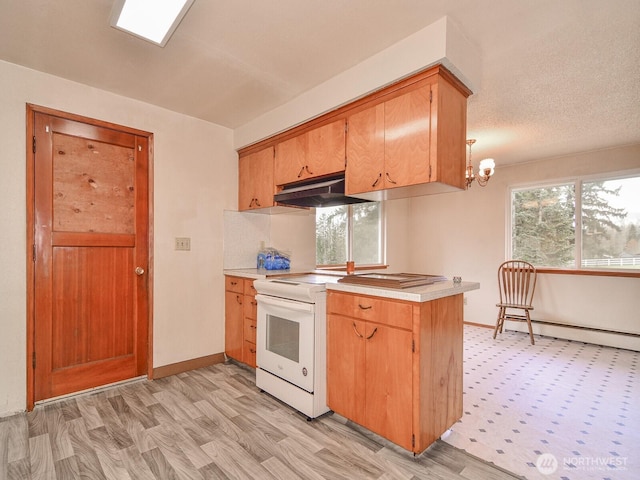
x=240 y=319
x=365 y=385
x=249 y=323
x=395 y=367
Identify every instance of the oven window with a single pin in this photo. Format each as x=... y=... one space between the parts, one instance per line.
x=283 y=337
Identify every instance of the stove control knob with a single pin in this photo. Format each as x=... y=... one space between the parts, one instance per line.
x=304 y=371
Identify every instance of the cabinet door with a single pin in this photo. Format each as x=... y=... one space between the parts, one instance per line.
x=407 y=126
x=245 y=184
x=326 y=153
x=262 y=178
x=345 y=367
x=256 y=182
x=315 y=153
x=291 y=159
x=233 y=325
x=389 y=374
x=365 y=151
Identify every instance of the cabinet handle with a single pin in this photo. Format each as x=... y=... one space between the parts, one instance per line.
x=234 y=283
x=253 y=302
x=238 y=299
x=377 y=180
x=252 y=326
x=252 y=350
x=389 y=179
x=301 y=172
x=251 y=202
x=257 y=202
x=306 y=167
x=356 y=330
x=362 y=307
x=372 y=333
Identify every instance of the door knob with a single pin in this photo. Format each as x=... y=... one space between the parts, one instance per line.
x=139 y=270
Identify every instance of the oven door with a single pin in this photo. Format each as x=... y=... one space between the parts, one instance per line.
x=285 y=341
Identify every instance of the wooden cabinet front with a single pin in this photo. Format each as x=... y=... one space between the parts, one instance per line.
x=250 y=323
x=256 y=182
x=240 y=320
x=364 y=384
x=388 y=144
x=416 y=136
x=395 y=367
x=233 y=317
x=365 y=150
x=315 y=153
x=388 y=391
x=406 y=146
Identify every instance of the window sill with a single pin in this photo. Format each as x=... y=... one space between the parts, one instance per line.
x=596 y=273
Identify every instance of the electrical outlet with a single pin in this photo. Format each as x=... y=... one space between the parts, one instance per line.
x=183 y=243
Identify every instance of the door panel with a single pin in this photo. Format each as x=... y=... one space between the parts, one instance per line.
x=90 y=231
x=388 y=389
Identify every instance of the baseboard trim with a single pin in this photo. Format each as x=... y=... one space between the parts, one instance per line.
x=483 y=325
x=187 y=365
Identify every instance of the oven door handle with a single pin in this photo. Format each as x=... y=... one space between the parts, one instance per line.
x=284 y=304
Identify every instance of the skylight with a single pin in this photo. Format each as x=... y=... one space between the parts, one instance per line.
x=151 y=20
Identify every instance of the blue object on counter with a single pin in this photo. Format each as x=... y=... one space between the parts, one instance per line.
x=272 y=259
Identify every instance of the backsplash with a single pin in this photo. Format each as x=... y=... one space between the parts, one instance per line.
x=243 y=233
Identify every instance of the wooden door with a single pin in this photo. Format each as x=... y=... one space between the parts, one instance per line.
x=90 y=231
x=389 y=374
x=345 y=367
x=365 y=151
x=407 y=129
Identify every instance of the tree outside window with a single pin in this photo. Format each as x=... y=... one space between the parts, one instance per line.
x=583 y=224
x=349 y=232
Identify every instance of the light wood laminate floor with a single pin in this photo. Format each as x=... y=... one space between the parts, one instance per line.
x=210 y=423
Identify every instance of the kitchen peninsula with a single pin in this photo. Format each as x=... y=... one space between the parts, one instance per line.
x=394 y=358
x=394 y=355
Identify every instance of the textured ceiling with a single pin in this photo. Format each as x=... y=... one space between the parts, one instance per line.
x=557 y=76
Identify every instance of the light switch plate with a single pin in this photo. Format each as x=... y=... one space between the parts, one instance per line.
x=183 y=243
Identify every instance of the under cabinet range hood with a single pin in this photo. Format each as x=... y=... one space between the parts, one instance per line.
x=324 y=192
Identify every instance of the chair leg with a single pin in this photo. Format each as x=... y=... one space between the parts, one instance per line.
x=529 y=325
x=499 y=322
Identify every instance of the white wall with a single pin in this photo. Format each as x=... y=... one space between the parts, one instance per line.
x=463 y=234
x=195 y=180
x=441 y=42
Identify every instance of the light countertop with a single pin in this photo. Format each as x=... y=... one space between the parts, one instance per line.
x=423 y=293
x=257 y=273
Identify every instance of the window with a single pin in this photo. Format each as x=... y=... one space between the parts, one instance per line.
x=587 y=223
x=350 y=232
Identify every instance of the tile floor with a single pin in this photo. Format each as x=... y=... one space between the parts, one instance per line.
x=554 y=410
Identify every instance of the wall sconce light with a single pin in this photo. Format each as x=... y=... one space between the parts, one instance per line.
x=485 y=170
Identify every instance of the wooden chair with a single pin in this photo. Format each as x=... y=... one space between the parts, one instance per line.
x=517 y=283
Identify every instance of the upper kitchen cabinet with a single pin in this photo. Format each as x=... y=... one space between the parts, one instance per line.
x=403 y=140
x=412 y=137
x=314 y=153
x=256 y=184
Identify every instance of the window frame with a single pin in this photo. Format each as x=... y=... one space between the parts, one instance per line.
x=382 y=241
x=577 y=182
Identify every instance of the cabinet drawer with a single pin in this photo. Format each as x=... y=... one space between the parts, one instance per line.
x=233 y=284
x=250 y=330
x=250 y=307
x=374 y=309
x=249 y=354
x=248 y=287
